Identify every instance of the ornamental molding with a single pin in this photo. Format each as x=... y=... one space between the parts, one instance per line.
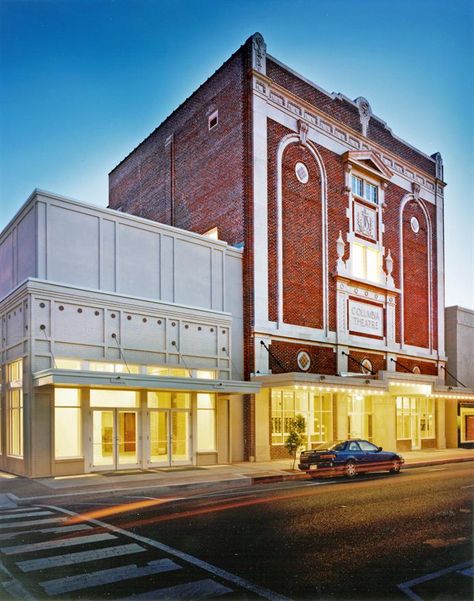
x=369 y=161
x=259 y=53
x=365 y=113
x=343 y=134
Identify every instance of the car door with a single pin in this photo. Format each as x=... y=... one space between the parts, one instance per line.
x=372 y=455
x=354 y=451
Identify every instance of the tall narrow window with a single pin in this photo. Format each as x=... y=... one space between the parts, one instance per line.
x=206 y=422
x=15 y=408
x=67 y=423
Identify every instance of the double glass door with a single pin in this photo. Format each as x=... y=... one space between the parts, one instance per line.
x=170 y=437
x=114 y=439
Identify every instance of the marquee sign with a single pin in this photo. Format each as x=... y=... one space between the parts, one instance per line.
x=366 y=319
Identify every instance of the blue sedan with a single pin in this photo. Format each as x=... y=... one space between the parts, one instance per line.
x=349 y=457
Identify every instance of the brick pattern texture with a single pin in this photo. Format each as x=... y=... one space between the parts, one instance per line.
x=347 y=113
x=323 y=358
x=427 y=368
x=378 y=361
x=197 y=181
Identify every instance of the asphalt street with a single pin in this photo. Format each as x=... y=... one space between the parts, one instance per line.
x=377 y=537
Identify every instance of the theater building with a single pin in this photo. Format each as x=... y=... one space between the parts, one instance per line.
x=121 y=343
x=341 y=225
x=269 y=250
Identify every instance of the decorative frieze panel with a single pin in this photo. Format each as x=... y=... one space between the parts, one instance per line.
x=114 y=331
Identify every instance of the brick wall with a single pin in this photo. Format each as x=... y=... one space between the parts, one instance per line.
x=426 y=368
x=323 y=358
x=347 y=113
x=202 y=170
x=415 y=277
x=302 y=243
x=379 y=361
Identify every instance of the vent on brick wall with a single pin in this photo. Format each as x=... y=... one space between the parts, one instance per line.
x=213 y=120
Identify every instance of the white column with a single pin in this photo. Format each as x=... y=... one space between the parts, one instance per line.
x=260 y=210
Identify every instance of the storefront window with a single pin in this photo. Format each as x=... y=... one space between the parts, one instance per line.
x=168 y=400
x=415 y=418
x=15 y=408
x=67 y=423
x=359 y=417
x=315 y=408
x=114 y=398
x=206 y=422
x=406 y=407
x=68 y=363
x=119 y=368
x=427 y=425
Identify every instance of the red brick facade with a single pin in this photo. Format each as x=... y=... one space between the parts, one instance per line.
x=187 y=175
x=198 y=178
x=323 y=358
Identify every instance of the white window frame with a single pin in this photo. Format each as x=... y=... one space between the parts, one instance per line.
x=366 y=185
x=210 y=119
x=15 y=437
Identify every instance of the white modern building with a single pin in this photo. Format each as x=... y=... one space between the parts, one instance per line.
x=459 y=323
x=121 y=343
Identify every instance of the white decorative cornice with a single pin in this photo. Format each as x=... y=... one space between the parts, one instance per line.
x=295 y=106
x=368 y=160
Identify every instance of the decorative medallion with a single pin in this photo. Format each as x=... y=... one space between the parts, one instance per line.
x=415 y=225
x=304 y=360
x=366 y=366
x=301 y=172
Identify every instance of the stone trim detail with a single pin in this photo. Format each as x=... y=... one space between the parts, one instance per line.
x=281 y=98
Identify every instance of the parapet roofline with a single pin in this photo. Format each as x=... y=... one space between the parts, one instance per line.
x=184 y=102
x=107 y=211
x=340 y=96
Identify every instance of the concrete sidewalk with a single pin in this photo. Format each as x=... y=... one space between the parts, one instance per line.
x=15 y=489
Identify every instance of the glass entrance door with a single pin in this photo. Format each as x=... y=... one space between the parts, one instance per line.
x=114 y=439
x=170 y=437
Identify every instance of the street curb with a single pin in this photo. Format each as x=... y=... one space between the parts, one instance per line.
x=305 y=476
x=246 y=480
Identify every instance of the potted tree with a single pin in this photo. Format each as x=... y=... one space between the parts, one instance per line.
x=296 y=436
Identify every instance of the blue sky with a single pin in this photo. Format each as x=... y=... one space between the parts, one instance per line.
x=82 y=82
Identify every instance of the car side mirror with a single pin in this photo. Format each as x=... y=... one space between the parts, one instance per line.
x=379 y=449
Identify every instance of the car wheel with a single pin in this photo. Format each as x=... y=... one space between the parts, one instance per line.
x=396 y=466
x=350 y=469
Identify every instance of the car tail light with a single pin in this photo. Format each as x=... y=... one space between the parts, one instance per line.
x=328 y=456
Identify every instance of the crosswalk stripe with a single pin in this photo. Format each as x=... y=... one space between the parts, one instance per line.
x=190 y=591
x=53 y=544
x=32 y=523
x=55 y=530
x=29 y=514
x=186 y=557
x=81 y=557
x=75 y=583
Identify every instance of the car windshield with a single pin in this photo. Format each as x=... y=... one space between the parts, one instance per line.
x=329 y=446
